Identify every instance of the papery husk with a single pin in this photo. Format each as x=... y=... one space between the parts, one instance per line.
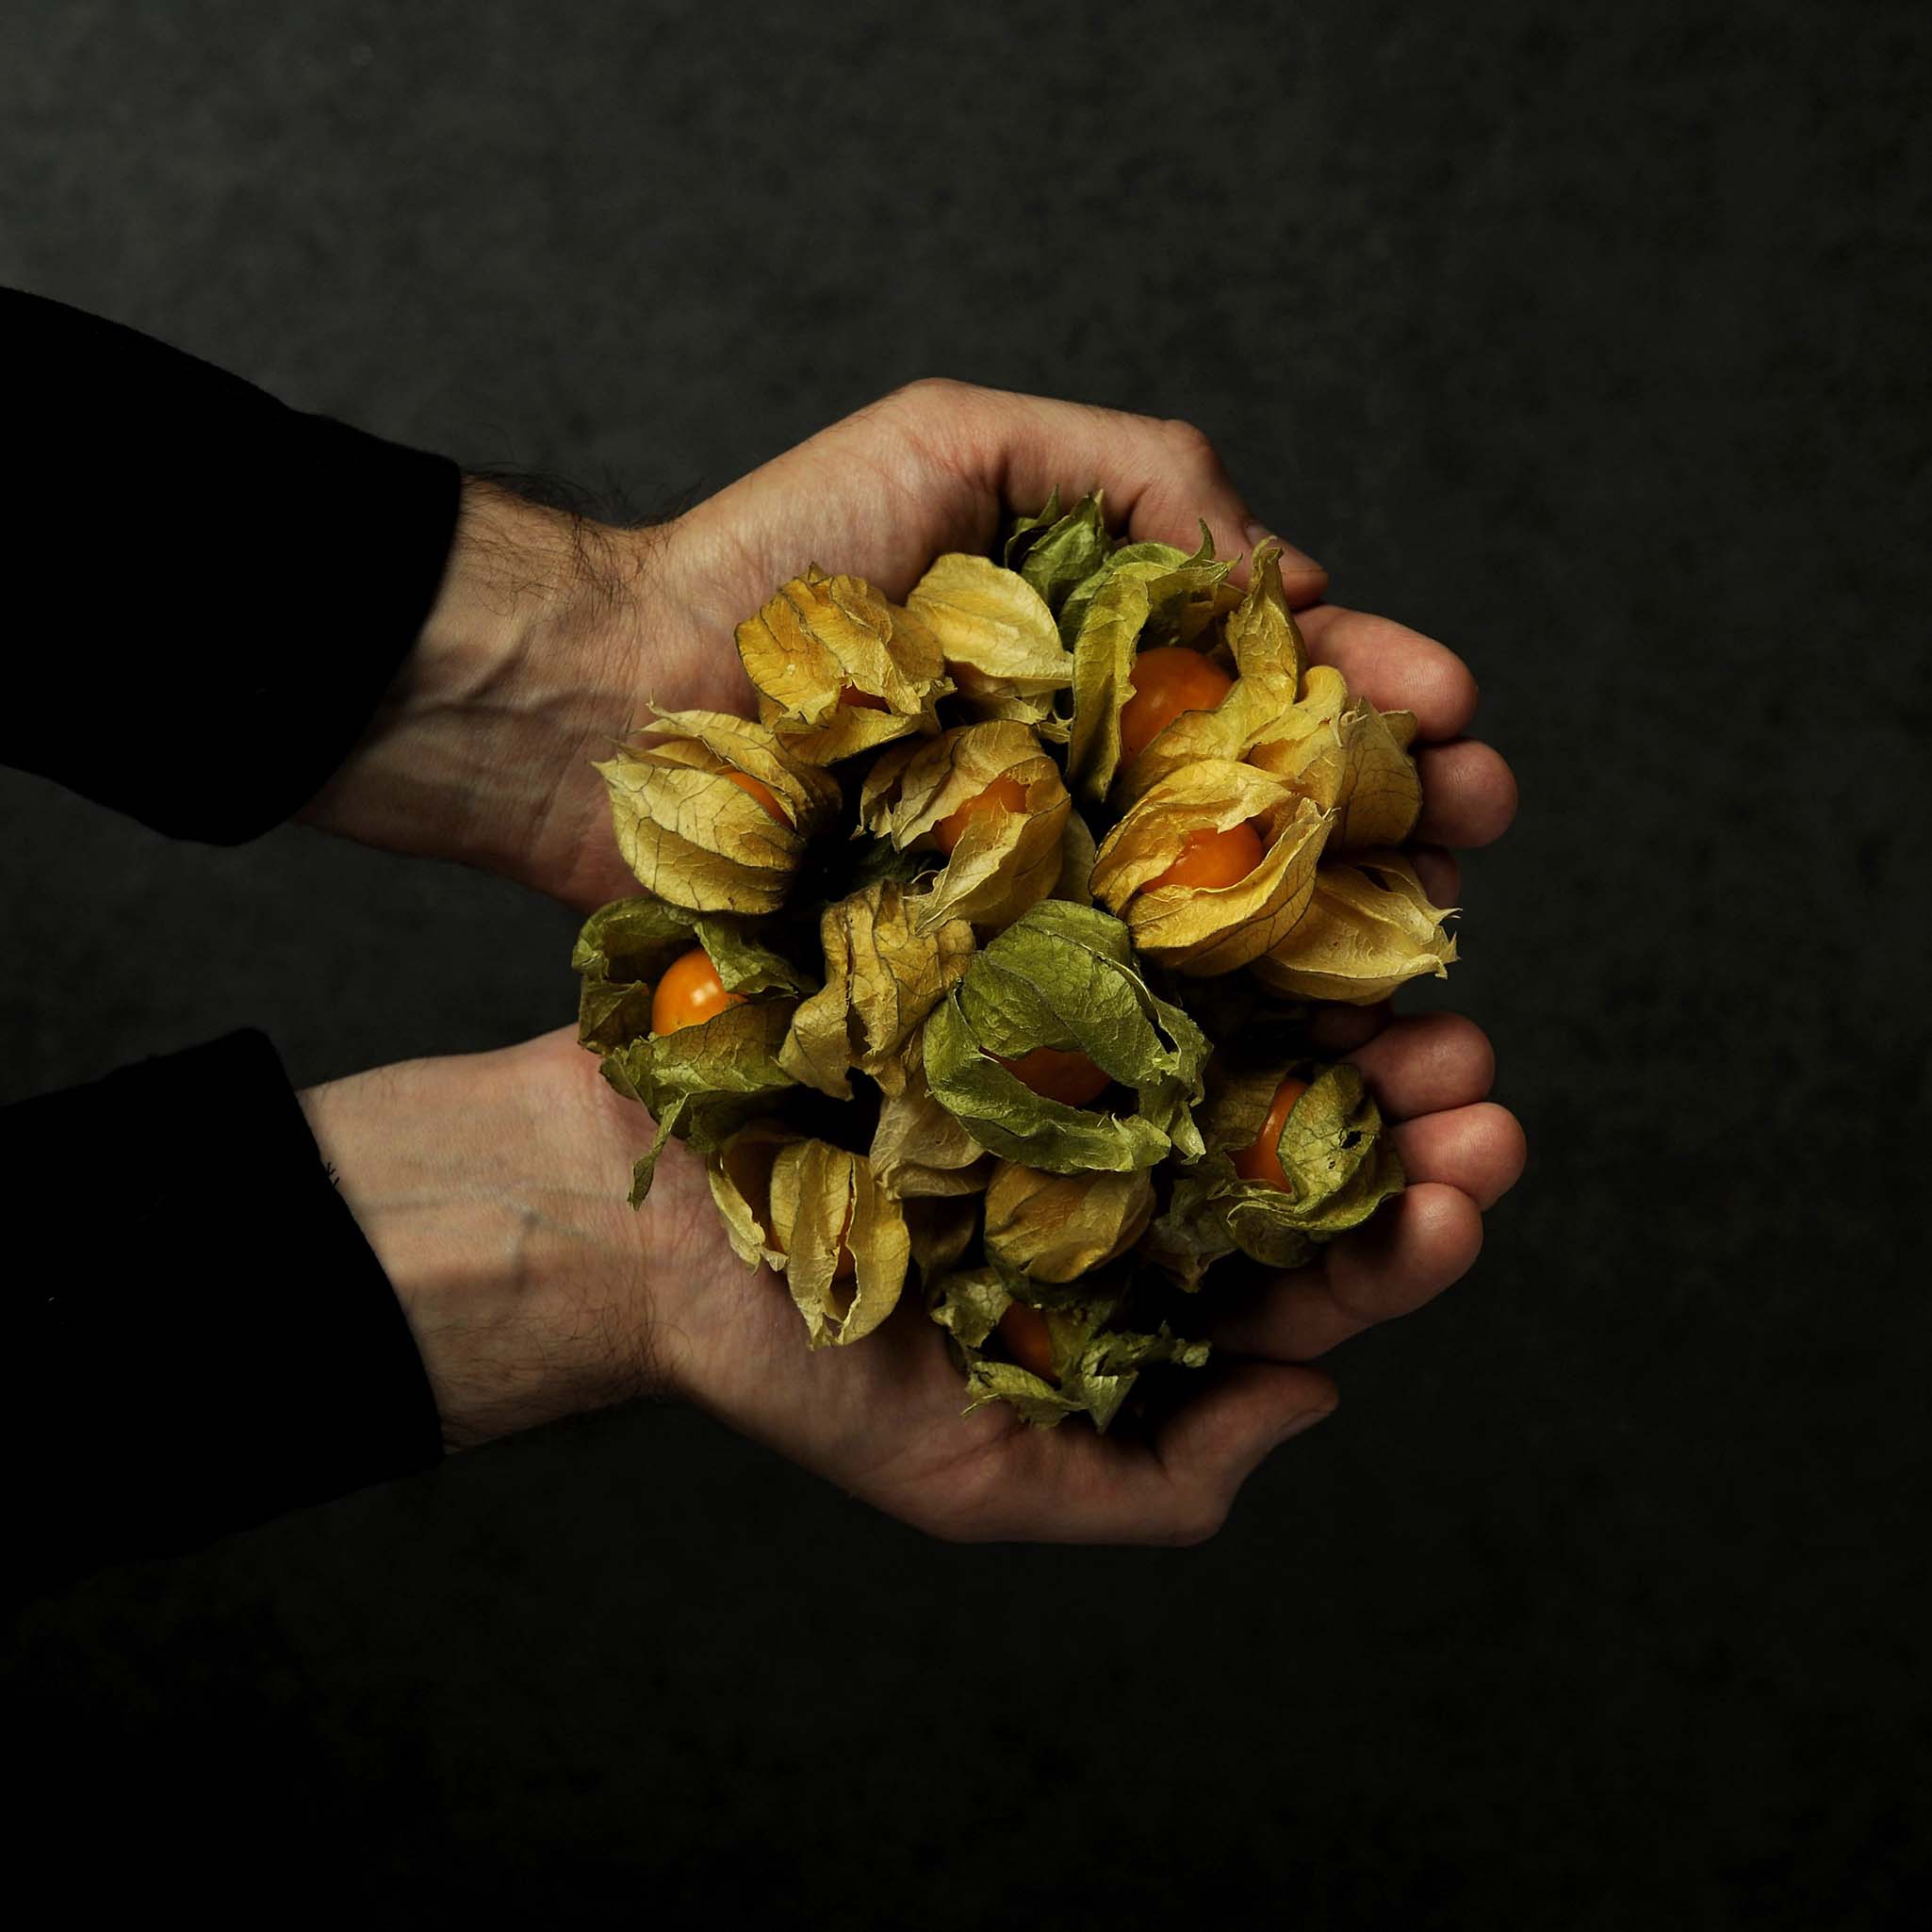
x=1001 y=646
x=1368 y=929
x=701 y=1082
x=1145 y=596
x=693 y=837
x=739 y=1171
x=1205 y=930
x=821 y=1196
x=1057 y=553
x=919 y=1150
x=1348 y=758
x=1094 y=1365
x=1269 y=659
x=1334 y=1151
x=1055 y=1227
x=1004 y=861
x=818 y=637
x=623 y=948
x=883 y=973
x=1063 y=977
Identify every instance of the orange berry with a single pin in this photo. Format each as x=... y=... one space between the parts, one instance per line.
x=1260 y=1160
x=1167 y=681
x=1028 y=1340
x=689 y=993
x=862 y=700
x=1212 y=859
x=1070 y=1078
x=763 y=794
x=1003 y=794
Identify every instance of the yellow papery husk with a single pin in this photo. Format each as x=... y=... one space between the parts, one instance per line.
x=740 y=1177
x=1368 y=929
x=884 y=973
x=1000 y=644
x=692 y=836
x=1004 y=861
x=1270 y=661
x=1349 y=759
x=1057 y=1227
x=1205 y=930
x=818 y=637
x=919 y=1150
x=823 y=1198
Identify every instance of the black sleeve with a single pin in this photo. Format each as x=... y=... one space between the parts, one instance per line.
x=223 y=586
x=201 y=1337
x=198 y=1336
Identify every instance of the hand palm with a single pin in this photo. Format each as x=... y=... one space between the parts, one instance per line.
x=881 y=493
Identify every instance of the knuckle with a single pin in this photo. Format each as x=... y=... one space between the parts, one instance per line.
x=1190 y=442
x=930 y=391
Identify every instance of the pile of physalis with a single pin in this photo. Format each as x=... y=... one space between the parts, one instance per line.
x=979 y=969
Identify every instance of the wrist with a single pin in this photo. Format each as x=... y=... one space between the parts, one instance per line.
x=511 y=685
x=525 y=1302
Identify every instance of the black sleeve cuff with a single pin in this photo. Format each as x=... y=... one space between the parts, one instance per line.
x=229 y=586
x=205 y=1338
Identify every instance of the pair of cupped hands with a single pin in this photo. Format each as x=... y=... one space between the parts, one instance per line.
x=492 y=1186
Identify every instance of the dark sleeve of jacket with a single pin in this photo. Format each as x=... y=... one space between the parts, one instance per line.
x=197 y=1334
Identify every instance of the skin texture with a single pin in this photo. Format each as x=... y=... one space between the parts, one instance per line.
x=491 y=1186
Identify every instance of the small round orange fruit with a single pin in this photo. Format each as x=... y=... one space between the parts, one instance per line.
x=1003 y=794
x=763 y=794
x=689 y=993
x=862 y=700
x=1070 y=1078
x=1028 y=1341
x=1260 y=1160
x=1212 y=859
x=1168 y=680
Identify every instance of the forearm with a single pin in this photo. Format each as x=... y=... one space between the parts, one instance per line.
x=519 y=1274
x=205 y=1339
x=515 y=682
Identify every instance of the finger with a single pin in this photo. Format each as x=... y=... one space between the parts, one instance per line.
x=1425 y=1063
x=1468 y=793
x=1479 y=1149
x=1163 y=478
x=1426 y=1240
x=1441 y=877
x=1342 y=1029
x=1070 y=1485
x=1212 y=1445
x=1394 y=667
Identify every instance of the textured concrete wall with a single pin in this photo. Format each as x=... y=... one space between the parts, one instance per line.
x=1592 y=341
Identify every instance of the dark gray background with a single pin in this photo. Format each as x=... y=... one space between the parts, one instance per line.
x=1592 y=341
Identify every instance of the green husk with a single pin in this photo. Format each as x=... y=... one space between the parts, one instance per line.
x=1094 y=1364
x=1063 y=977
x=701 y=1082
x=1334 y=1152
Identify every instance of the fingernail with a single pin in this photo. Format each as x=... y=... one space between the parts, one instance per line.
x=1294 y=563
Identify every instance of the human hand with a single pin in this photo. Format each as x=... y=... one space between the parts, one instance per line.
x=553 y=634
x=490 y=1187
x=589 y=622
